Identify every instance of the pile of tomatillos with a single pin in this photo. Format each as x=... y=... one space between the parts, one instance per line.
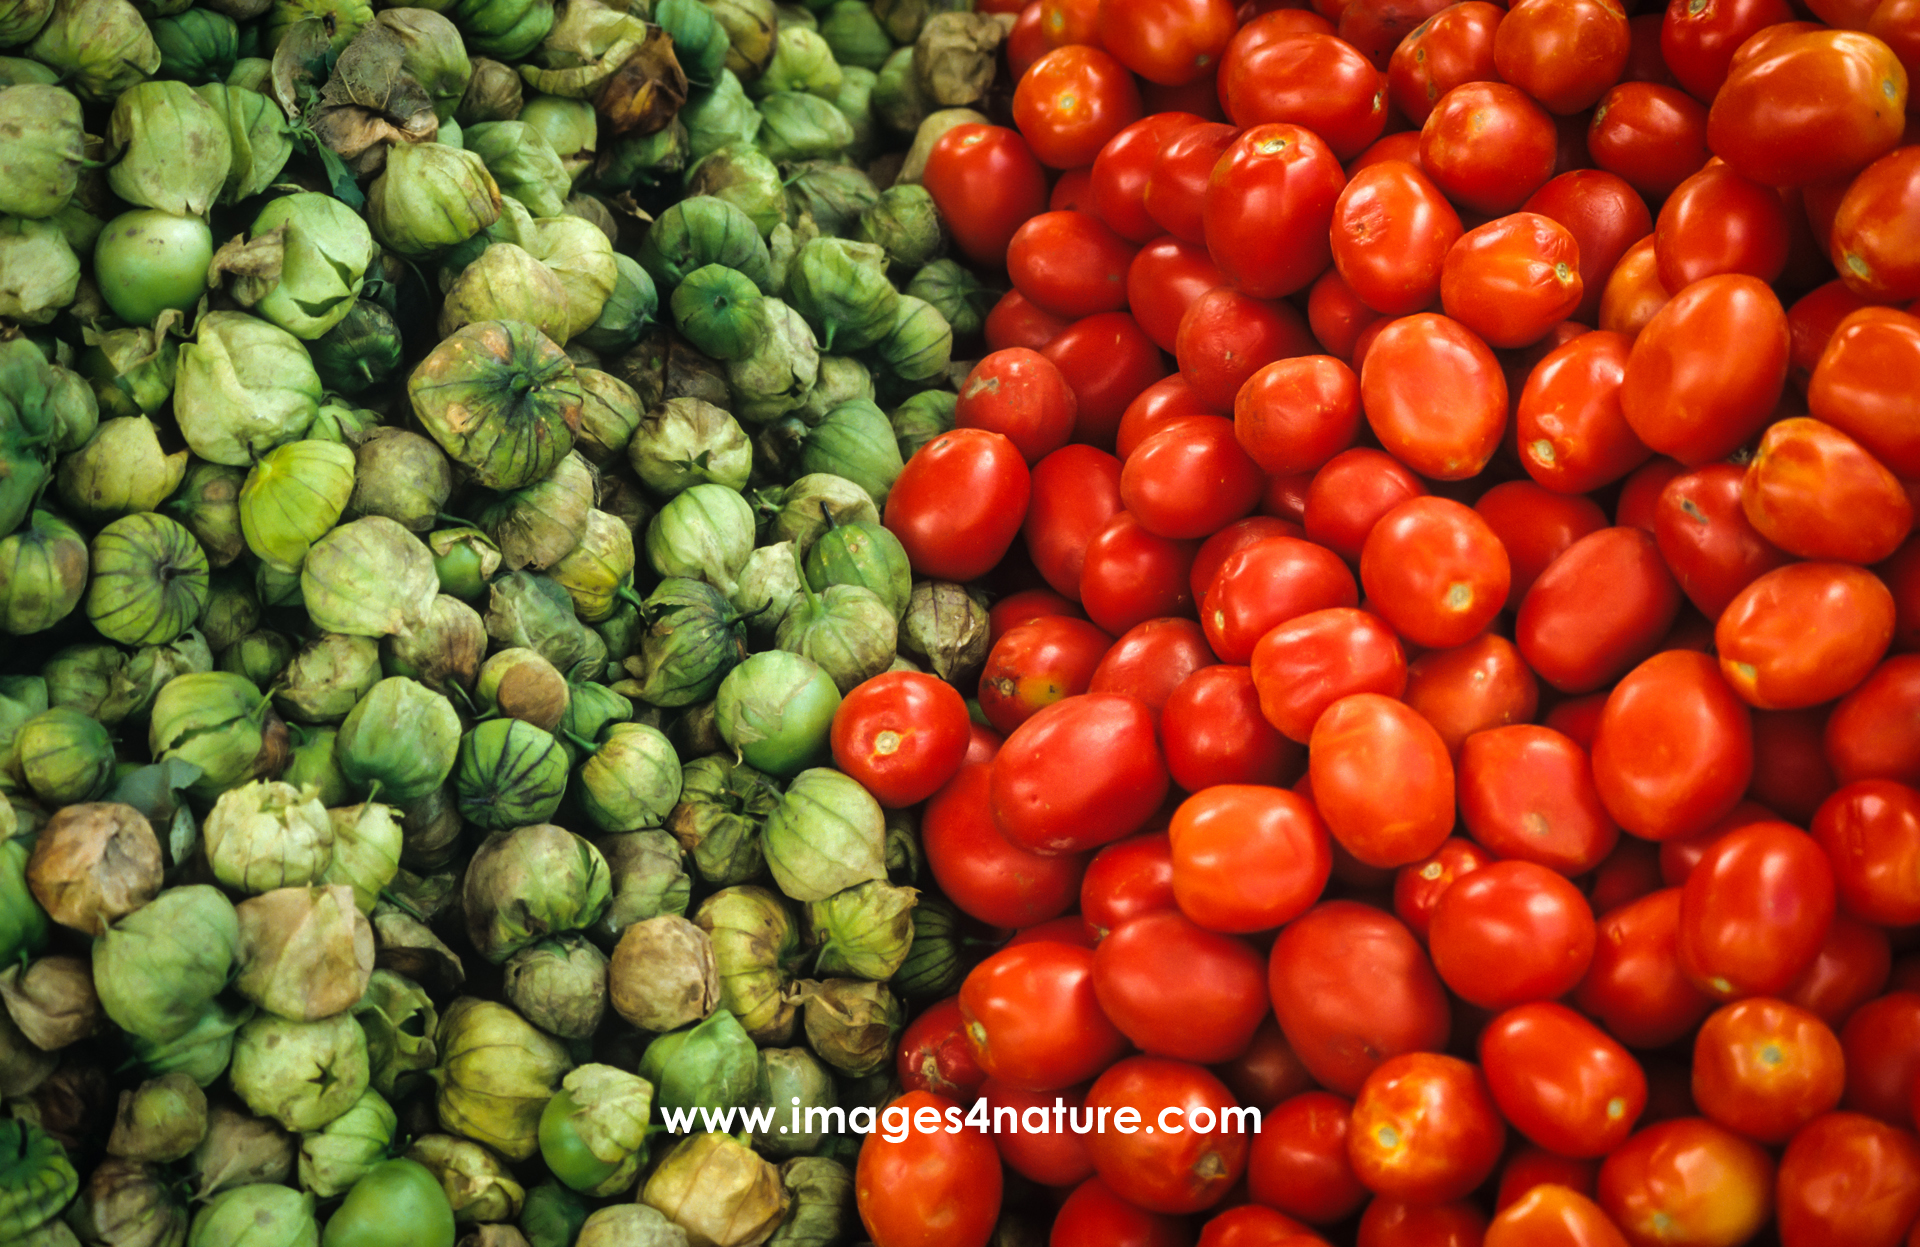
x=1119 y=624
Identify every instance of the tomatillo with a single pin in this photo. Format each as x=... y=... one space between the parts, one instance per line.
x=398 y=1203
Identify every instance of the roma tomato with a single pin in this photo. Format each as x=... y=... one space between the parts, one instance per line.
x=1177 y=1140
x=1561 y=1081
x=1121 y=170
x=1126 y=879
x=1382 y=779
x=986 y=183
x=1129 y=576
x=1025 y=606
x=1033 y=1020
x=1755 y=911
x=1551 y=1215
x=1809 y=107
x=1687 y=1177
x=1418 y=886
x=1310 y=79
x=1213 y=732
x=1080 y=773
x=1269 y=203
x=1397 y=1223
x=1225 y=337
x=1071 y=101
x=935 y=1055
x=959 y=503
x=935 y=1185
x=1705 y=373
x=1435 y=570
x=980 y=871
x=1337 y=316
x=1070 y=263
x=1304 y=665
x=1856 y=383
x=1151 y=659
x=1488 y=146
x=902 y=734
x=1706 y=539
x=1633 y=294
x=1563 y=53
x=1854 y=966
x=1804 y=634
x=1452 y=47
x=1093 y=1216
x=1190 y=480
x=1015 y=321
x=1168 y=276
x=1392 y=232
x=1815 y=492
x=1527 y=792
x=1511 y=933
x=1425 y=1129
x=1019 y=393
x=1536 y=525
x=1598 y=610
x=1471 y=688
x=1075 y=494
x=1107 y=359
x=1171 y=42
x=1295 y=414
x=1350 y=493
x=1674 y=747
x=1719 y=222
x=1435 y=396
x=1177 y=185
x=1849 y=1179
x=1177 y=989
x=1265 y=585
x=1873 y=237
x=1247 y=858
x=1698 y=44
x=1052 y=1157
x=1766 y=1068
x=1514 y=278
x=1634 y=985
x=1351 y=987
x=1871 y=833
x=1037 y=664
x=1299 y=1162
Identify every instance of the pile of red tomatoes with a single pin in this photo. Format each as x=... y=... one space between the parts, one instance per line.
x=1450 y=468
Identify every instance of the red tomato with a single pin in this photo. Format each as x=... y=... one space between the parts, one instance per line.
x=1129 y=576
x=1705 y=373
x=1196 y=1147
x=1395 y=1223
x=1698 y=43
x=1254 y=1225
x=1107 y=359
x=1025 y=606
x=1351 y=987
x=1310 y=79
x=932 y=1185
x=1526 y=792
x=1299 y=1163
x=1069 y=263
x=1269 y=203
x=1382 y=779
x=1392 y=231
x=1633 y=295
x=1528 y=1167
x=1804 y=634
x=1376 y=27
x=1152 y=659
x=1126 y=879
x=986 y=183
x=979 y=870
x=1849 y=1179
x=1225 y=337
x=1177 y=185
x=1719 y=222
x=1452 y=47
x=1854 y=965
x=934 y=1055
x=1037 y=664
x=1015 y=321
x=1790 y=771
x=1033 y=1020
x=1634 y=985
x=1265 y=585
x=1268 y=1071
x=1606 y=216
x=1560 y=1080
x=1177 y=989
x=1856 y=383
x=1563 y=53
x=1229 y=541
x=1247 y=858
x=959 y=503
x=1765 y=1068
x=1434 y=395
x=1550 y=1215
x=1706 y=539
x=1071 y=101
x=1536 y=525
x=1870 y=831
x=1598 y=610
x=1293 y=415
x=1350 y=493
x=1070 y=21
x=1863 y=738
x=1511 y=933
x=1082 y=772
x=1019 y=393
x=1304 y=665
x=1873 y=239
x=1075 y=494
x=1488 y=146
x=1093 y=1216
x=1651 y=135
x=1190 y=480
x=1167 y=41
x=1815 y=492
x=1687 y=1177
x=1425 y=1129
x=1418 y=886
x=1049 y=1156
x=1674 y=747
x=1167 y=277
x=1434 y=570
x=1121 y=170
x=1213 y=733
x=1337 y=316
x=1882 y=1046
x=902 y=734
x=1516 y=277
x=1754 y=911
x=1809 y=107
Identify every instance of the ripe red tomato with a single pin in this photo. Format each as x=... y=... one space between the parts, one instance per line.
x=1033 y=1020
x=1382 y=779
x=1653 y=136
x=1720 y=222
x=1536 y=525
x=1071 y=101
x=1224 y=337
x=1552 y=1215
x=1815 y=492
x=1434 y=570
x=1634 y=985
x=1488 y=146
x=959 y=503
x=1766 y=1068
x=1129 y=576
x=1755 y=911
x=1452 y=47
x=980 y=871
x=1019 y=393
x=1265 y=585
x=1471 y=688
x=1166 y=278
x=1598 y=610
x=1126 y=879
x=1561 y=1081
x=1351 y=986
x=1396 y=1223
x=1633 y=294
x=1873 y=237
x=1434 y=395
x=902 y=734
x=1511 y=933
x=1213 y=733
x=1807 y=107
x=1299 y=1164
x=1392 y=231
x=1311 y=79
x=1151 y=659
x=934 y=1185
x=1418 y=886
x=1190 y=480
x=1170 y=42
x=1350 y=493
x=1295 y=414
x=1706 y=539
x=1036 y=664
x=1304 y=665
x=1804 y=634
x=1176 y=1140
x=1527 y=792
x=1080 y=773
x=1107 y=359
x=1849 y=1179
x=1269 y=203
x=1121 y=170
x=1687 y=1177
x=1674 y=747
x=1070 y=263
x=1425 y=1129
x=935 y=1056
x=1093 y=1216
x=1050 y=1157
x=1871 y=833
x=1708 y=368
x=1247 y=858
x=986 y=183
x=1855 y=383
x=1075 y=494
x=1177 y=989
x=1563 y=53
x=1514 y=278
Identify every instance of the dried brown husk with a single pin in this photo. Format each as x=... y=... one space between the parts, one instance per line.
x=127 y=1203
x=646 y=92
x=305 y=953
x=371 y=102
x=240 y=1149
x=663 y=974
x=52 y=1001
x=719 y=1191
x=95 y=863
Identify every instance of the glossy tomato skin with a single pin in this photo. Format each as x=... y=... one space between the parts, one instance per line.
x=1674 y=747
x=959 y=503
x=1809 y=107
x=1033 y=1020
x=935 y=1055
x=1572 y=435
x=1561 y=1081
x=1488 y=146
x=1024 y=606
x=1310 y=79
x=1304 y=665
x=1754 y=911
x=1188 y=481
x=1513 y=279
x=1225 y=336
x=1815 y=492
x=986 y=183
x=1129 y=576
x=1853 y=967
x=1350 y=493
x=1563 y=53
x=1871 y=833
x=1872 y=236
x=1536 y=524
x=1071 y=101
x=1107 y=359
x=1634 y=985
x=1247 y=858
x=1080 y=773
x=1268 y=206
x=1036 y=664
x=1121 y=170
x=928 y=1188
x=1127 y=879
x=1435 y=570
x=1213 y=732
x=1351 y=986
x=1850 y=1179
x=1299 y=1164
x=1168 y=276
x=1434 y=395
x=1511 y=933
x=1177 y=184
x=1293 y=415
x=902 y=734
x=1149 y=660
x=1051 y=1158
x=1765 y=1068
x=1854 y=384
x=1452 y=47
x=1706 y=539
x=1598 y=610
x=1698 y=43
x=1418 y=886
x=1425 y=1129
x=1176 y=989
x=1170 y=42
x=1551 y=1215
x=1382 y=778
x=1397 y=1223
x=1093 y=1216
x=980 y=870
x=1471 y=688
x=1075 y=493
x=1841 y=623
x=1175 y=1168
x=1527 y=792
x=1265 y=585
x=1688 y=1176
x=1705 y=373
x=1529 y=1166
x=1020 y=393
x=1070 y=263
x=1652 y=135
x=1633 y=294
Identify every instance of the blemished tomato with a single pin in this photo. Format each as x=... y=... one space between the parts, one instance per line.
x=1392 y=231
x=1551 y=1215
x=1350 y=493
x=1687 y=1177
x=1514 y=278
x=1510 y=934
x=935 y=1055
x=1351 y=986
x=1190 y=480
x=1434 y=395
x=933 y=1185
x=1425 y=1129
x=1382 y=779
x=1766 y=1068
x=1527 y=792
x=1082 y=772
x=1563 y=53
x=902 y=734
x=1075 y=494
x=1804 y=634
x=1598 y=610
x=1754 y=911
x=986 y=183
x=1674 y=747
x=1036 y=664
x=1020 y=393
x=1295 y=414
x=1093 y=1216
x=1268 y=205
x=1247 y=858
x=1213 y=732
x=1033 y=1020
x=1225 y=337
x=1846 y=1178
x=1071 y=101
x=1177 y=989
x=1304 y=665
x=1299 y=1164
x=959 y=503
x=1706 y=539
x=1126 y=879
x=984 y=874
x=1175 y=1139
x=397 y=1201
x=1561 y=1081
x=1170 y=42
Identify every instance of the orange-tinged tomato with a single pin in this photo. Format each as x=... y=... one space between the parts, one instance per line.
x=927 y=1187
x=1766 y=1068
x=1687 y=1179
x=1804 y=634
